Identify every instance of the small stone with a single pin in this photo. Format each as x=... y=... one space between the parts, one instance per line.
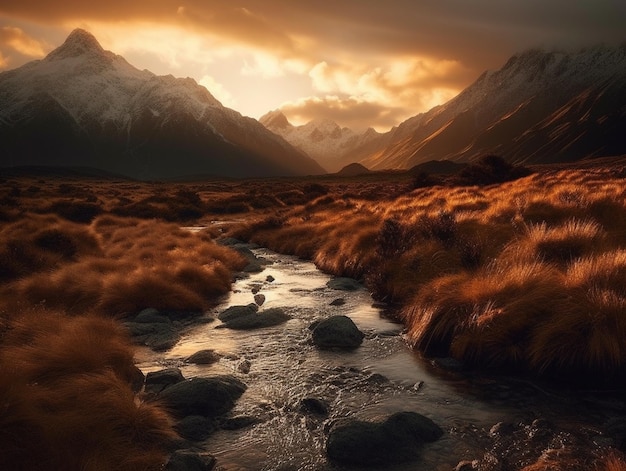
x=259 y=299
x=314 y=406
x=244 y=366
x=344 y=284
x=204 y=357
x=270 y=279
x=338 y=302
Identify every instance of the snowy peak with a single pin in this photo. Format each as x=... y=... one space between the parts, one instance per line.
x=85 y=106
x=322 y=139
x=78 y=43
x=275 y=120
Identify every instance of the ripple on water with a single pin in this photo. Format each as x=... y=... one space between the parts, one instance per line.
x=381 y=377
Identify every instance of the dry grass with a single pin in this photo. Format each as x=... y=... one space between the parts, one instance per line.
x=526 y=274
x=67 y=391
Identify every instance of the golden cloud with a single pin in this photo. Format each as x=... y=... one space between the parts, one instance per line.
x=20 y=42
x=349 y=111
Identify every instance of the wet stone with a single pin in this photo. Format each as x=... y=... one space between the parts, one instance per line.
x=344 y=284
x=259 y=299
x=156 y=381
x=195 y=427
x=208 y=397
x=336 y=332
x=235 y=312
x=313 y=405
x=396 y=440
x=254 y=320
x=338 y=302
x=189 y=461
x=244 y=366
x=204 y=357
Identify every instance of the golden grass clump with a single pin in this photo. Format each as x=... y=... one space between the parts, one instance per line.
x=120 y=266
x=67 y=390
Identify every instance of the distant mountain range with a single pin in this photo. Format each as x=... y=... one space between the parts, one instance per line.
x=322 y=139
x=82 y=106
x=541 y=107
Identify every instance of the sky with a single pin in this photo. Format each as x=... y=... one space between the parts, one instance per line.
x=361 y=63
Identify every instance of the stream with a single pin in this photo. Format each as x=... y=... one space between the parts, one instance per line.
x=379 y=378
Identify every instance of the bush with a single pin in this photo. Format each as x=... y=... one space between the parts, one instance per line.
x=489 y=170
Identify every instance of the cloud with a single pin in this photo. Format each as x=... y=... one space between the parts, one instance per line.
x=17 y=40
x=403 y=55
x=352 y=112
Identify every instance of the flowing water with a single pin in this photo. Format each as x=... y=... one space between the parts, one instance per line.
x=379 y=378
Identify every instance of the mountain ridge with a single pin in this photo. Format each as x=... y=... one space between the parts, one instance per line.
x=84 y=106
x=322 y=138
x=541 y=106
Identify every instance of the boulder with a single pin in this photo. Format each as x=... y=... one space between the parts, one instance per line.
x=151 y=316
x=344 y=284
x=158 y=336
x=394 y=441
x=195 y=427
x=208 y=397
x=204 y=357
x=182 y=460
x=336 y=332
x=266 y=318
x=157 y=381
x=234 y=312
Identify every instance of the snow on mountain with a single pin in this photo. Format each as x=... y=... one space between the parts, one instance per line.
x=322 y=139
x=539 y=107
x=82 y=105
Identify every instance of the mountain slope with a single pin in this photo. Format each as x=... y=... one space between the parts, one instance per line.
x=540 y=107
x=84 y=106
x=322 y=139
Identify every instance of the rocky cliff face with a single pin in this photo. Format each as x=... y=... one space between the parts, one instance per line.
x=82 y=105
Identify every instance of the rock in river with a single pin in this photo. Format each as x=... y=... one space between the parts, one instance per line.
x=204 y=357
x=371 y=444
x=336 y=332
x=208 y=397
x=254 y=320
x=344 y=284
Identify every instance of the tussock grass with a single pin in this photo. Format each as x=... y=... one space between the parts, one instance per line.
x=525 y=274
x=67 y=389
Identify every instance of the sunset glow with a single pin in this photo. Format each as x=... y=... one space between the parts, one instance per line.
x=360 y=63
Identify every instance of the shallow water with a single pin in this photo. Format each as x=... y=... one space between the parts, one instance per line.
x=379 y=378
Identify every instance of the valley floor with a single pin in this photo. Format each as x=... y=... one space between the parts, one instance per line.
x=503 y=271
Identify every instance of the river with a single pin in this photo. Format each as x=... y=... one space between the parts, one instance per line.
x=379 y=378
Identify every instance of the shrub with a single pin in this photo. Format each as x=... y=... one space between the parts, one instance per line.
x=488 y=170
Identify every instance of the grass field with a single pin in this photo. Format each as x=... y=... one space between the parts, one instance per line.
x=502 y=269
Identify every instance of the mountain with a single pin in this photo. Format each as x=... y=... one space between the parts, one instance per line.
x=322 y=139
x=82 y=106
x=540 y=107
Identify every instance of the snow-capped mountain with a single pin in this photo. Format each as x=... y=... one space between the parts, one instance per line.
x=539 y=107
x=84 y=106
x=322 y=139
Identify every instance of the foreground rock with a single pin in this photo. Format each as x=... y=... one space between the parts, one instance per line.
x=207 y=397
x=256 y=320
x=344 y=284
x=336 y=332
x=157 y=381
x=394 y=441
x=159 y=330
x=190 y=461
x=204 y=357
